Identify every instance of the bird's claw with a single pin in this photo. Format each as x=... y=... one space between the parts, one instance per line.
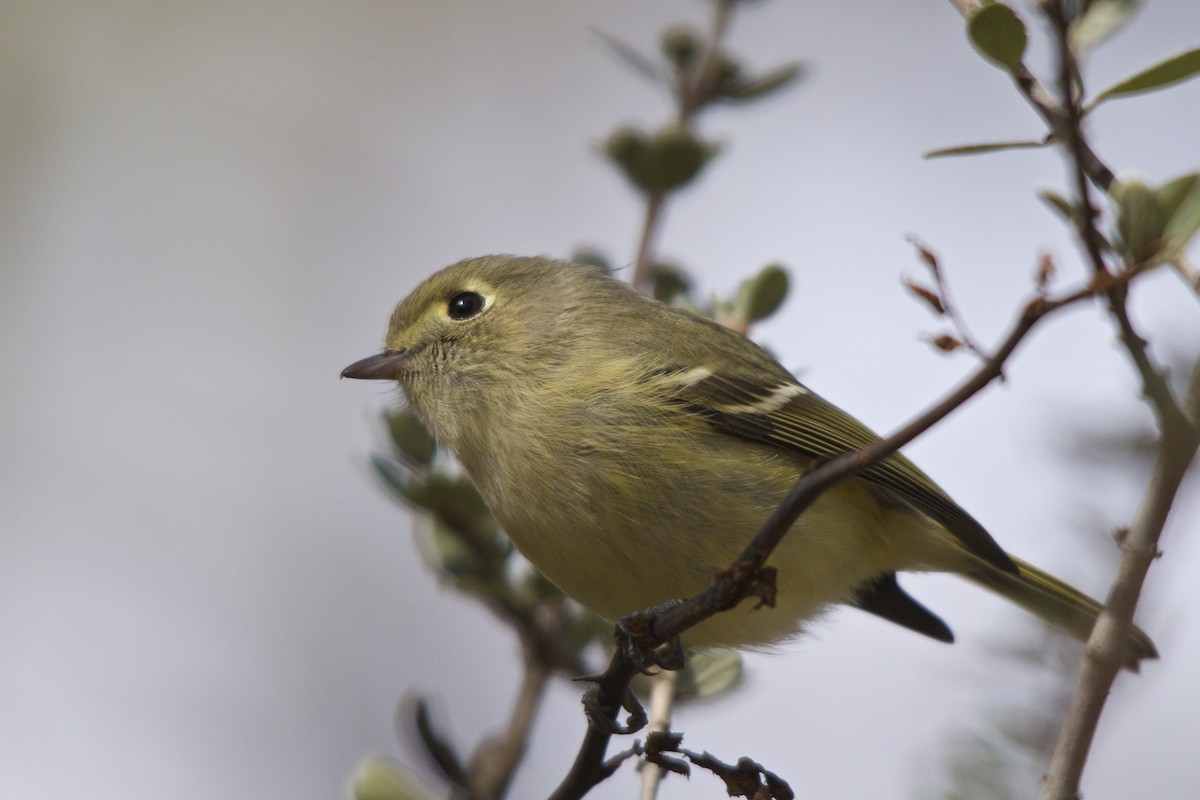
x=603 y=718
x=635 y=637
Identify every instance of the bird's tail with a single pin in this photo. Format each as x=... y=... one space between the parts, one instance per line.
x=1058 y=603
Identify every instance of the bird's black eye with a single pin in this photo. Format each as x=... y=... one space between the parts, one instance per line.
x=465 y=305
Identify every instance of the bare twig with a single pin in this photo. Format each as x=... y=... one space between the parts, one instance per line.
x=496 y=759
x=939 y=299
x=1104 y=651
x=1070 y=133
x=697 y=92
x=651 y=221
x=662 y=700
x=747 y=778
x=1189 y=272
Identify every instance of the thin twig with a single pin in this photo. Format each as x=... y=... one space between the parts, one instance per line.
x=1105 y=647
x=496 y=759
x=690 y=97
x=942 y=304
x=662 y=700
x=651 y=221
x=1188 y=271
x=1070 y=132
x=695 y=94
x=589 y=767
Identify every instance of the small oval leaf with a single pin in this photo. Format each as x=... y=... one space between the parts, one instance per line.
x=669 y=281
x=1172 y=195
x=1099 y=21
x=627 y=148
x=632 y=57
x=411 y=437
x=926 y=295
x=378 y=778
x=987 y=147
x=592 y=257
x=946 y=343
x=681 y=44
x=1057 y=203
x=763 y=85
x=674 y=157
x=1140 y=220
x=709 y=673
x=1173 y=70
x=761 y=296
x=1180 y=202
x=999 y=34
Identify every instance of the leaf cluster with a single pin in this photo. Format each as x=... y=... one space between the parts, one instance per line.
x=1145 y=225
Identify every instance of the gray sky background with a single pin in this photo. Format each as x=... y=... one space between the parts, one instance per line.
x=208 y=209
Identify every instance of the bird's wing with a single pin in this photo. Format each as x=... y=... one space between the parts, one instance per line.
x=772 y=410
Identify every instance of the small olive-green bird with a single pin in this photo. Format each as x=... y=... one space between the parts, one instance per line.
x=631 y=449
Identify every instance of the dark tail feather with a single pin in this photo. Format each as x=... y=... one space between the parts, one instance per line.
x=1058 y=603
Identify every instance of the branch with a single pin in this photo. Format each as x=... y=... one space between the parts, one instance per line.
x=746 y=575
x=662 y=700
x=1069 y=131
x=690 y=96
x=651 y=220
x=495 y=760
x=698 y=92
x=1179 y=431
x=1154 y=384
x=1178 y=444
x=1188 y=271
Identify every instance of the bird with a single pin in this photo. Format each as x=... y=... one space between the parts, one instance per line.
x=630 y=449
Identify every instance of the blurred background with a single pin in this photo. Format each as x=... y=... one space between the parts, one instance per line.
x=208 y=209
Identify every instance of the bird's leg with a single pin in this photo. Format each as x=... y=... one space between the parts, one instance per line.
x=603 y=718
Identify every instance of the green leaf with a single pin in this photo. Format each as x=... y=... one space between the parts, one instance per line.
x=411 y=437
x=397 y=477
x=1058 y=203
x=675 y=157
x=1140 y=220
x=627 y=148
x=669 y=281
x=437 y=744
x=999 y=34
x=452 y=499
x=632 y=57
x=1099 y=21
x=592 y=257
x=1180 y=202
x=658 y=164
x=727 y=73
x=765 y=84
x=709 y=673
x=377 y=778
x=450 y=553
x=1173 y=70
x=588 y=629
x=760 y=296
x=680 y=44
x=987 y=147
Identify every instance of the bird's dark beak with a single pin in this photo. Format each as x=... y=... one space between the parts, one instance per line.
x=383 y=366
